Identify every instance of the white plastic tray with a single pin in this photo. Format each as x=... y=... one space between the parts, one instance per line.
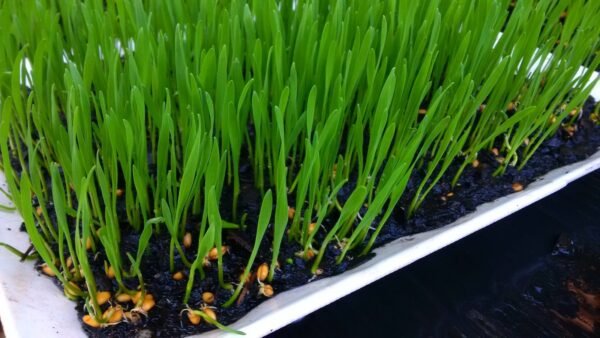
x=32 y=306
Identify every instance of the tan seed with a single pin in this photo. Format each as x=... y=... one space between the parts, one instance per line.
x=113 y=314
x=208 y=297
x=119 y=192
x=187 y=240
x=495 y=151
x=47 y=271
x=312 y=227
x=517 y=186
x=475 y=163
x=209 y=312
x=291 y=212
x=511 y=106
x=90 y=321
x=110 y=272
x=88 y=243
x=213 y=254
x=422 y=111
x=39 y=211
x=244 y=280
x=194 y=318
x=123 y=298
x=72 y=290
x=148 y=303
x=178 y=276
x=450 y=194
x=136 y=298
x=69 y=262
x=309 y=255
x=263 y=272
x=102 y=297
x=266 y=290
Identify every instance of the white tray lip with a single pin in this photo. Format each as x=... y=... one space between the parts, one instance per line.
x=22 y=316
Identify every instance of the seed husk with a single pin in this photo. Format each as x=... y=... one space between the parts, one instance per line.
x=119 y=192
x=90 y=321
x=69 y=262
x=422 y=111
x=495 y=151
x=266 y=290
x=102 y=297
x=39 y=211
x=291 y=212
x=517 y=186
x=209 y=312
x=263 y=272
x=132 y=316
x=88 y=243
x=475 y=163
x=193 y=318
x=178 y=276
x=311 y=227
x=208 y=297
x=187 y=240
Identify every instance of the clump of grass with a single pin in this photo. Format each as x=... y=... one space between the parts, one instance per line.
x=154 y=106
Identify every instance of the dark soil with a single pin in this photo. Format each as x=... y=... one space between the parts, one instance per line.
x=476 y=186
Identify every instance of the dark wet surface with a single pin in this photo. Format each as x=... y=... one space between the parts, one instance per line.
x=534 y=274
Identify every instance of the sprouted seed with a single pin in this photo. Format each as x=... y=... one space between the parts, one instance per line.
x=262 y=272
x=102 y=297
x=517 y=186
x=266 y=290
x=187 y=240
x=193 y=318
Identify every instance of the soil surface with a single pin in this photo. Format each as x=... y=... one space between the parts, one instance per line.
x=442 y=206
